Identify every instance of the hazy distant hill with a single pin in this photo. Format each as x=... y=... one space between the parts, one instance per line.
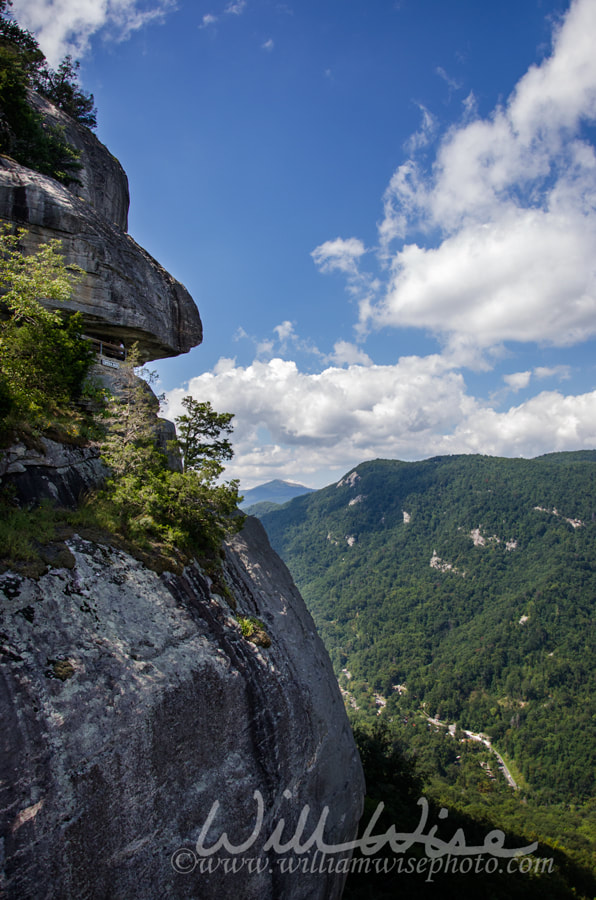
x=463 y=586
x=272 y=492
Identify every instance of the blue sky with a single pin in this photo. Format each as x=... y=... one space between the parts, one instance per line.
x=385 y=211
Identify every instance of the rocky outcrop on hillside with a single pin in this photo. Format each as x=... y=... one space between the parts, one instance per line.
x=126 y=296
x=131 y=704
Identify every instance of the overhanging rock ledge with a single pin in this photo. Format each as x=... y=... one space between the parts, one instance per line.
x=126 y=296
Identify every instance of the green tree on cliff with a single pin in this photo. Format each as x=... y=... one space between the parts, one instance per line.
x=191 y=511
x=43 y=357
x=61 y=87
x=200 y=432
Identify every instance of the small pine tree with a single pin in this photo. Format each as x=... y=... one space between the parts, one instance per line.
x=61 y=87
x=199 y=433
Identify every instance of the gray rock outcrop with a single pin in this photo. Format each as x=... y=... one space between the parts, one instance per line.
x=144 y=716
x=131 y=704
x=52 y=472
x=126 y=295
x=102 y=181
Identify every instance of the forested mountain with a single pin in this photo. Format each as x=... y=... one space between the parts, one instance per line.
x=463 y=588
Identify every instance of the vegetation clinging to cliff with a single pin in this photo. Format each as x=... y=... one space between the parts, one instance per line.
x=44 y=362
x=200 y=433
x=24 y=135
x=190 y=510
x=44 y=359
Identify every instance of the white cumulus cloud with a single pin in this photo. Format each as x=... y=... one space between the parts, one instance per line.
x=346 y=353
x=331 y=419
x=66 y=26
x=513 y=200
x=529 y=275
x=562 y=372
x=284 y=331
x=339 y=255
x=548 y=422
x=517 y=380
x=298 y=426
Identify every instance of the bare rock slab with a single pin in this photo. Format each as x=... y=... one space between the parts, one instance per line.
x=133 y=707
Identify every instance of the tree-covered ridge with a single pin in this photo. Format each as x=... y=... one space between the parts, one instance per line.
x=471 y=581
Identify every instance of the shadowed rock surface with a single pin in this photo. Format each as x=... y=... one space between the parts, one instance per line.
x=131 y=703
x=126 y=295
x=61 y=474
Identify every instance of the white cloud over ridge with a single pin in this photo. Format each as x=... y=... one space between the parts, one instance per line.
x=66 y=26
x=304 y=426
x=330 y=419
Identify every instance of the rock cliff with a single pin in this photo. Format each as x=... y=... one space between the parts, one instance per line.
x=126 y=295
x=137 y=717
x=131 y=704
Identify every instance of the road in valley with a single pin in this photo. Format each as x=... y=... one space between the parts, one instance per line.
x=483 y=740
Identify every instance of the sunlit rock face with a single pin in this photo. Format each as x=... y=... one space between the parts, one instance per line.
x=131 y=703
x=126 y=296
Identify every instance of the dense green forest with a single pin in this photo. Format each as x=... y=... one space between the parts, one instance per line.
x=463 y=589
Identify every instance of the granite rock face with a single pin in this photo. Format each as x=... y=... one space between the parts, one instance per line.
x=132 y=704
x=139 y=725
x=58 y=473
x=126 y=295
x=103 y=182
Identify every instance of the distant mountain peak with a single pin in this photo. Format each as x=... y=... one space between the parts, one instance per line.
x=276 y=491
